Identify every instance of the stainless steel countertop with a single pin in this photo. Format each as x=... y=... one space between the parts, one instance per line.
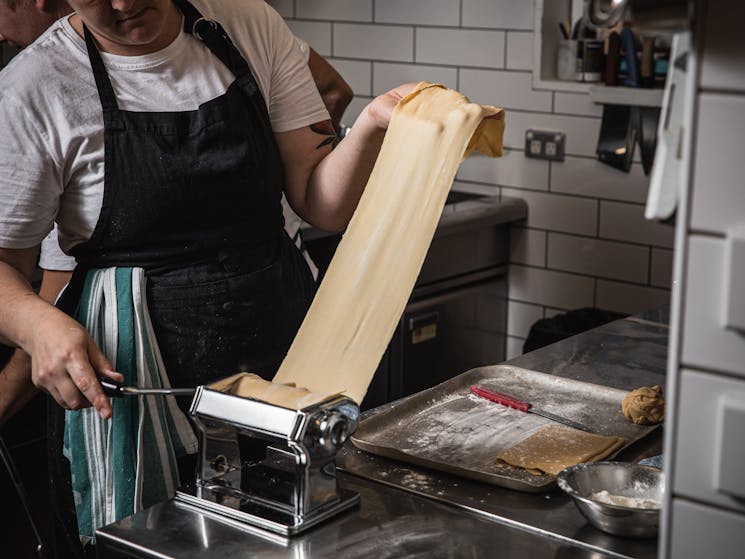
x=407 y=511
x=389 y=523
x=623 y=354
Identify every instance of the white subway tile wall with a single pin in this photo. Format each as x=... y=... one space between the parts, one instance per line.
x=510 y=90
x=377 y=42
x=316 y=33
x=519 y=54
x=586 y=177
x=357 y=73
x=585 y=241
x=283 y=7
x=500 y=14
x=661 y=272
x=460 y=47
x=625 y=222
x=575 y=103
x=335 y=10
x=520 y=317
x=593 y=257
x=557 y=212
x=627 y=297
x=387 y=76
x=512 y=169
x=418 y=12
x=528 y=246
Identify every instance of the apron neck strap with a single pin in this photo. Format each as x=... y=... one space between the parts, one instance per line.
x=214 y=37
x=103 y=83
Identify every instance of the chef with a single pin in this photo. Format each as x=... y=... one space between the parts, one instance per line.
x=160 y=142
x=21 y=23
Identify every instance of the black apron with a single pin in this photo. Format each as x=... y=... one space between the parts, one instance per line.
x=194 y=198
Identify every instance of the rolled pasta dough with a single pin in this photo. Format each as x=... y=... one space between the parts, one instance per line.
x=370 y=278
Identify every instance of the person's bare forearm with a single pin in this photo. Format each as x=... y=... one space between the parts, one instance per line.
x=20 y=307
x=64 y=358
x=337 y=182
x=16 y=388
x=323 y=185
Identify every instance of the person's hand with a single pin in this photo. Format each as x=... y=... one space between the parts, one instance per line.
x=65 y=361
x=381 y=108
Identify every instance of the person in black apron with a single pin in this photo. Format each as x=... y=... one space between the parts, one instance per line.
x=193 y=198
x=227 y=289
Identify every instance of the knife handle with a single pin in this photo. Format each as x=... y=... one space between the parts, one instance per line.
x=500 y=398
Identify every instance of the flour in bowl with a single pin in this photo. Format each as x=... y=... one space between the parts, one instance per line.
x=621 y=501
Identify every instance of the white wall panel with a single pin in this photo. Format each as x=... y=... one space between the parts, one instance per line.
x=706 y=343
x=696 y=445
x=702 y=532
x=719 y=196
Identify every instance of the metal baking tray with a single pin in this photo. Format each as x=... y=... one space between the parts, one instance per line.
x=449 y=429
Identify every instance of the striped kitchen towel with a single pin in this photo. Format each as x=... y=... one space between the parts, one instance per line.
x=128 y=463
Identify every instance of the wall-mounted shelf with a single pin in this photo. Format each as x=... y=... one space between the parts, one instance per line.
x=626 y=96
x=546 y=36
x=561 y=85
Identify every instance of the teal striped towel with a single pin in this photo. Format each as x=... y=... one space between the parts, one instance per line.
x=128 y=463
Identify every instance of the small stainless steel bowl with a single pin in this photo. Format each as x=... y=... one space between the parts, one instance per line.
x=617 y=478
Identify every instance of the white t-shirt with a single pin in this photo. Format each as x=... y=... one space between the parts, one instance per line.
x=51 y=137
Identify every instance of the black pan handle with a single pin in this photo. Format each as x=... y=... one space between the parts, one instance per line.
x=110 y=387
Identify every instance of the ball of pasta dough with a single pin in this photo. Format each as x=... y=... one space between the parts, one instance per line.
x=644 y=406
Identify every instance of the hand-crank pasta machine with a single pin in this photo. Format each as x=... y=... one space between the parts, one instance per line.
x=266 y=465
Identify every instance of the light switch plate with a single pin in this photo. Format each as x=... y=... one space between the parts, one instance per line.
x=729 y=450
x=733 y=294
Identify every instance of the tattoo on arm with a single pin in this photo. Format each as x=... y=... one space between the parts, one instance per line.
x=326 y=129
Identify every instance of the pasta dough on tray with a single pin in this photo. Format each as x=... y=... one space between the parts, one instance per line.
x=555 y=447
